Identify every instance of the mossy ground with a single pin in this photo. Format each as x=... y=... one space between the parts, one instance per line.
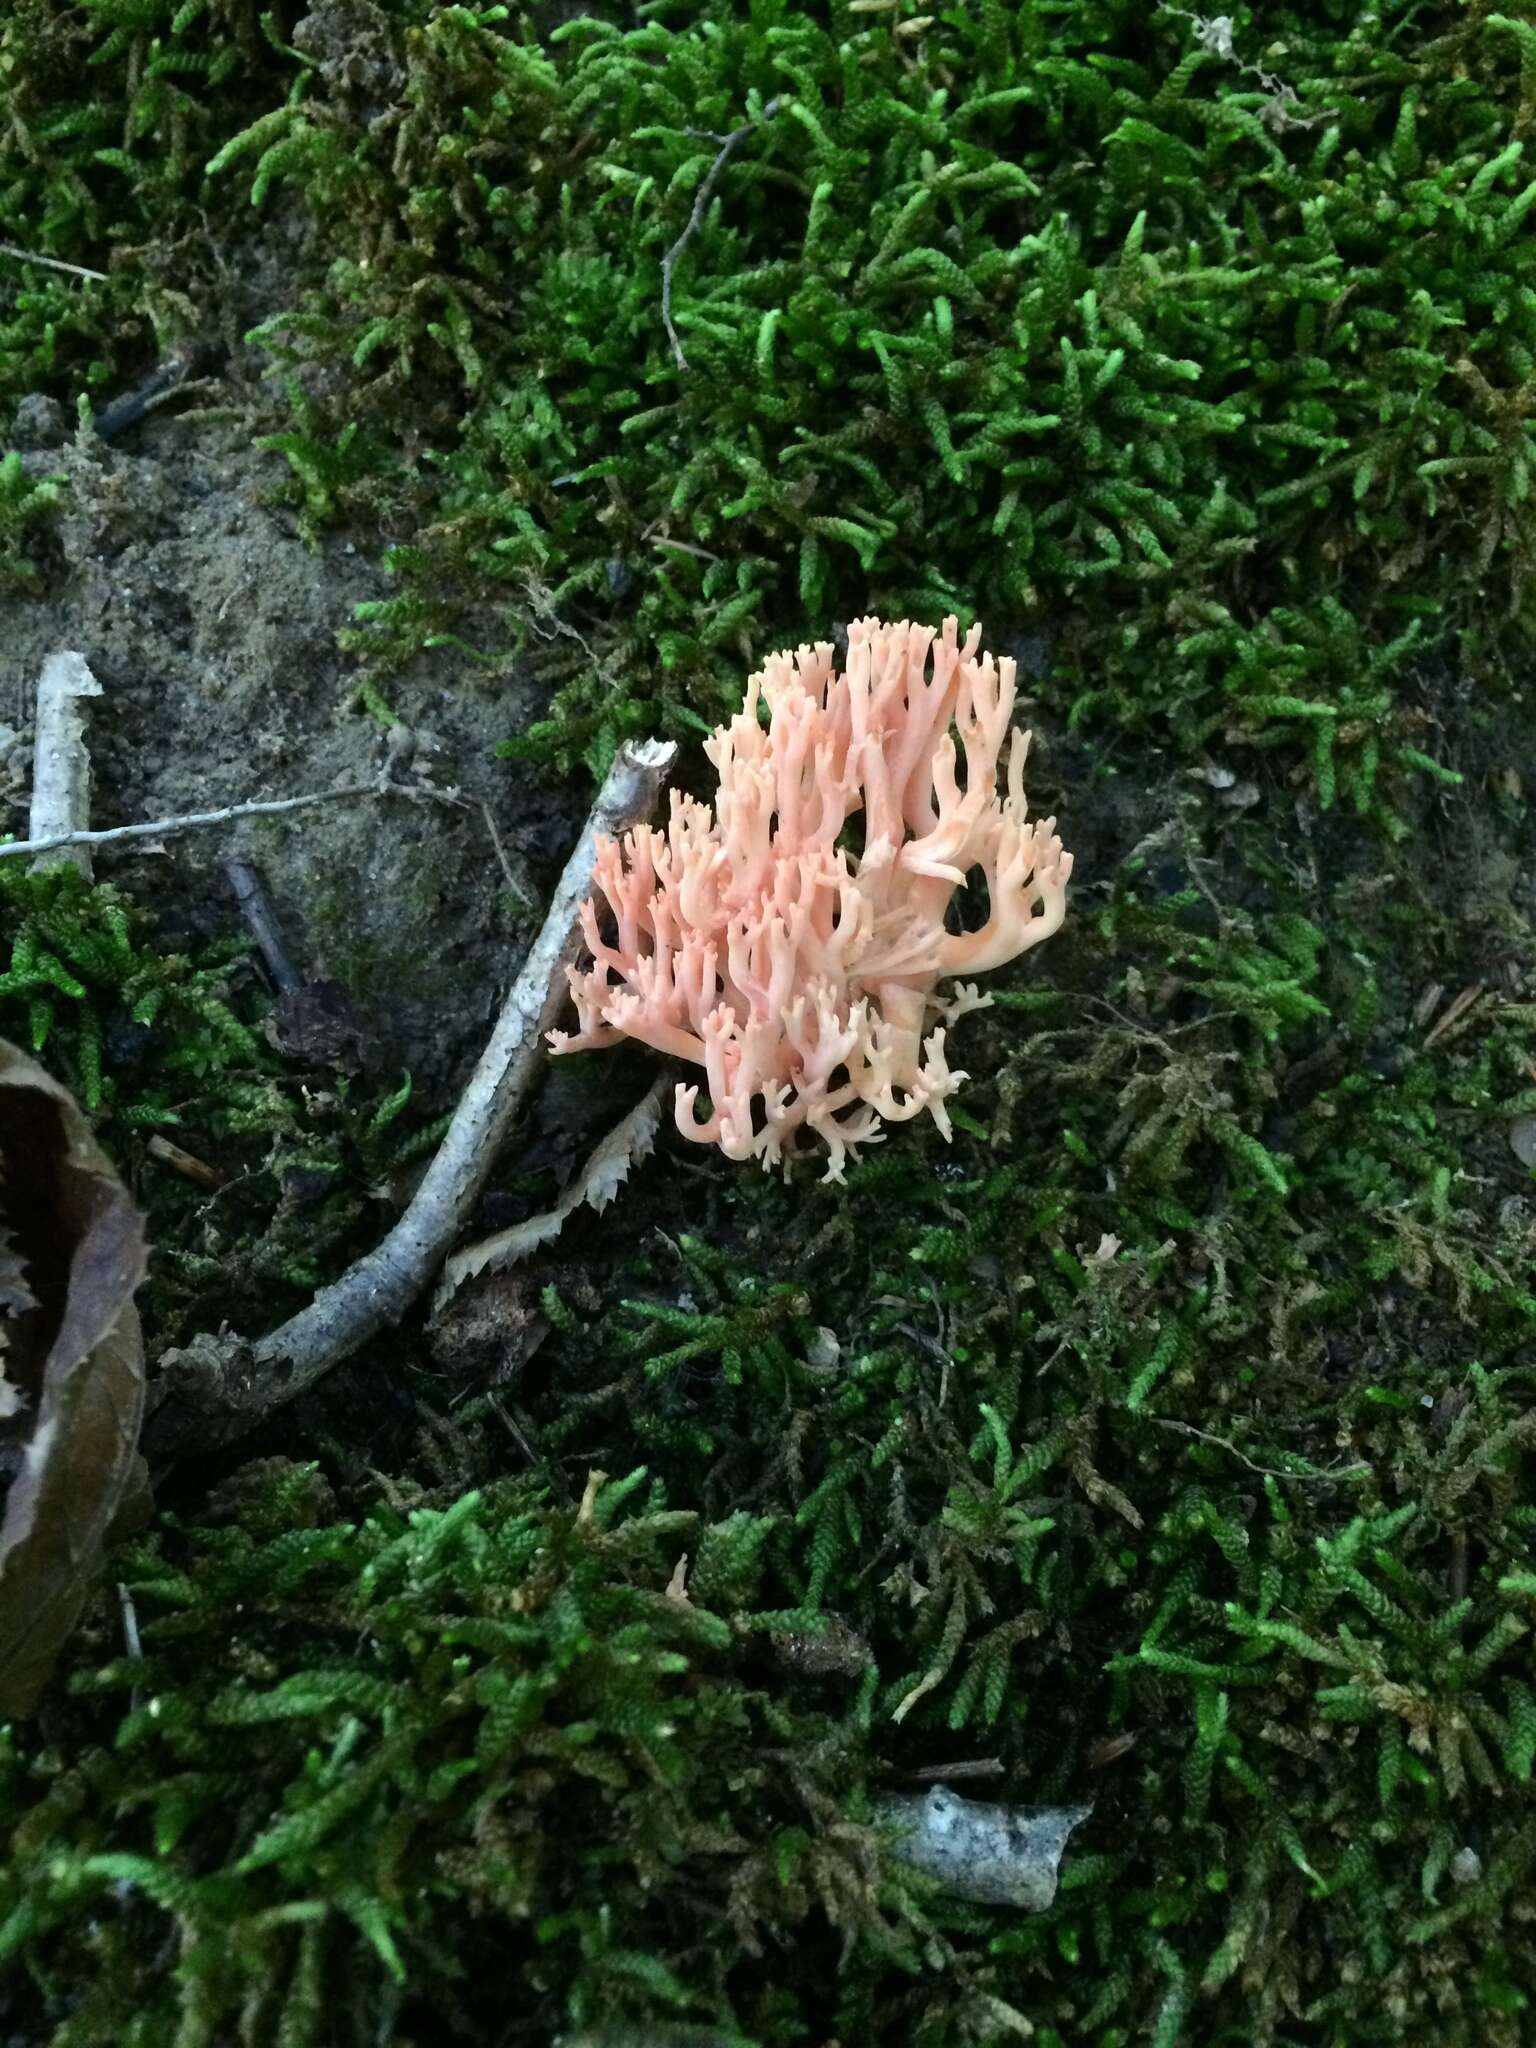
x=1167 y=1441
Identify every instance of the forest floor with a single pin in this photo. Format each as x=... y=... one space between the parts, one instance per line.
x=1164 y=1443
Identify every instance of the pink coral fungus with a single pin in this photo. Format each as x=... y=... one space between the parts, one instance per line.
x=761 y=941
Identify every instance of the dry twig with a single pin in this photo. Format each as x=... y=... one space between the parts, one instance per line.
x=50 y=841
x=61 y=764
x=1204 y=1436
x=1453 y=1018
x=706 y=192
x=221 y=1386
x=165 y=380
x=51 y=263
x=187 y=1164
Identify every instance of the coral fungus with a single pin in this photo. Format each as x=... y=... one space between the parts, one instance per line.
x=798 y=969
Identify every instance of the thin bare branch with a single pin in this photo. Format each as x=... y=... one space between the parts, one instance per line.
x=193 y=821
x=1317 y=1474
x=221 y=1386
x=61 y=763
x=51 y=263
x=706 y=192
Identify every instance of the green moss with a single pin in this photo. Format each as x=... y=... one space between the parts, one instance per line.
x=155 y=1041
x=1168 y=1439
x=112 y=109
x=25 y=506
x=516 y=1651
x=1062 y=318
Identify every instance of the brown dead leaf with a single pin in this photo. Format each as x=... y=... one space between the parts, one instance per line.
x=16 y=1301
x=73 y=1360
x=630 y=1141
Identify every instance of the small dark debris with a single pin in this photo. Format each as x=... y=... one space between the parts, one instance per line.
x=1167 y=877
x=125 y=1041
x=490 y=1329
x=131 y=406
x=317 y=1024
x=303 y=1185
x=1032 y=652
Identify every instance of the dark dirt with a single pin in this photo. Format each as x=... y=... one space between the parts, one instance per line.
x=211 y=626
